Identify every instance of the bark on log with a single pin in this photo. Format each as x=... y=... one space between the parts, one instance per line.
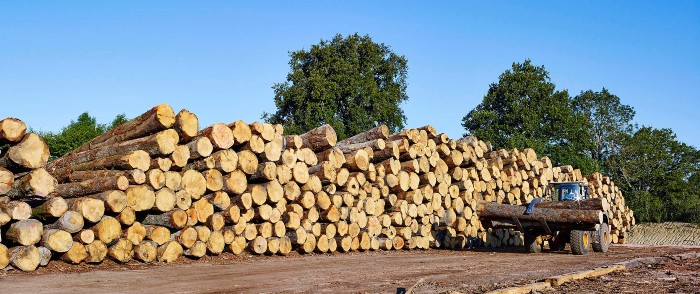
x=135 y=176
x=156 y=119
x=587 y=204
x=162 y=143
x=7 y=180
x=200 y=147
x=70 y=221
x=175 y=219
x=378 y=132
x=16 y=210
x=320 y=138
x=91 y=186
x=53 y=208
x=133 y=160
x=503 y=211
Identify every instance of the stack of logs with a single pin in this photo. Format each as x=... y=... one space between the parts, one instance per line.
x=157 y=188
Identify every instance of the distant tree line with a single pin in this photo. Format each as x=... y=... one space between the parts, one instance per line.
x=353 y=84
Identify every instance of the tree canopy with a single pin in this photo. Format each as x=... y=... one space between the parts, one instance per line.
x=351 y=83
x=524 y=109
x=658 y=174
x=609 y=120
x=77 y=133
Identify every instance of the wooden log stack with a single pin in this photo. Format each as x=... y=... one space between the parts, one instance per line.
x=158 y=188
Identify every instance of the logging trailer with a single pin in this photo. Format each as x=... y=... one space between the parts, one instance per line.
x=566 y=214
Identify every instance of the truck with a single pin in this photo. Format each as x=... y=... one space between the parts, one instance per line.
x=565 y=215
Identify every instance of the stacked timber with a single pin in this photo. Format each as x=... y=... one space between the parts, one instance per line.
x=158 y=188
x=22 y=178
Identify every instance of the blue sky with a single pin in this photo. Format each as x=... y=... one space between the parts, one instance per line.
x=220 y=59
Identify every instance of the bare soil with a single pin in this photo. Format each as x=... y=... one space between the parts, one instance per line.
x=669 y=276
x=665 y=234
x=430 y=271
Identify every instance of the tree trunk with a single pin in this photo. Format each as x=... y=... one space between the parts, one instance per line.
x=53 y=208
x=551 y=215
x=57 y=240
x=220 y=136
x=135 y=176
x=175 y=219
x=241 y=132
x=378 y=132
x=200 y=147
x=16 y=210
x=71 y=222
x=91 y=209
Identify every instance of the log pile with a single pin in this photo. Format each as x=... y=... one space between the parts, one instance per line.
x=23 y=178
x=158 y=188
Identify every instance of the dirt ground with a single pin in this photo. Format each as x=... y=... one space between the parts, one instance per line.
x=665 y=234
x=669 y=276
x=374 y=272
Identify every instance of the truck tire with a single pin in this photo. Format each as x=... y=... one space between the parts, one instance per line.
x=580 y=241
x=602 y=239
x=531 y=243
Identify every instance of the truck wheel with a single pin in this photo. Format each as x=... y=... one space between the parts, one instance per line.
x=580 y=241
x=602 y=239
x=531 y=243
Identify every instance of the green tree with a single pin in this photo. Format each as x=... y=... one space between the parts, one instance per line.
x=77 y=133
x=524 y=109
x=658 y=175
x=351 y=83
x=609 y=120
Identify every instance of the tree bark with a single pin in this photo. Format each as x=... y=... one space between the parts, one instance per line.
x=154 y=120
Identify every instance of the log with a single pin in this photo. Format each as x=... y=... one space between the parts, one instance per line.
x=30 y=153
x=127 y=216
x=114 y=200
x=36 y=184
x=154 y=120
x=173 y=180
x=180 y=156
x=107 y=230
x=25 y=232
x=57 y=240
x=214 y=180
x=241 y=132
x=70 y=221
x=85 y=237
x=497 y=211
x=357 y=160
x=320 y=138
x=163 y=164
x=133 y=160
x=165 y=200
x=16 y=210
x=11 y=130
x=220 y=136
x=135 y=233
x=197 y=250
x=258 y=245
x=91 y=209
x=162 y=143
x=24 y=258
x=247 y=162
x=146 y=251
x=378 y=132
x=175 y=219
x=587 y=204
x=186 y=125
x=121 y=251
x=158 y=234
x=96 y=252
x=45 y=254
x=7 y=180
x=53 y=208
x=200 y=147
x=194 y=183
x=135 y=176
x=76 y=254
x=91 y=186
